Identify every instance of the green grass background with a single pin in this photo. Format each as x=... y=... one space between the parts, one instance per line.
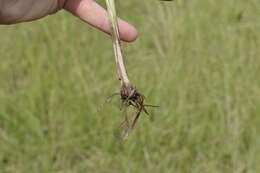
x=199 y=60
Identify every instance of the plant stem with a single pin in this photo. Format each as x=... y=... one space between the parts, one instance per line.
x=121 y=70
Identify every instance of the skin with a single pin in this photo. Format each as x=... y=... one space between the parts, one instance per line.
x=16 y=11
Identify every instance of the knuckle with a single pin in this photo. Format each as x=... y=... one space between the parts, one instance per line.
x=9 y=15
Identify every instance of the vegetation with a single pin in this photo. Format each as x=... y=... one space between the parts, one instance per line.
x=199 y=60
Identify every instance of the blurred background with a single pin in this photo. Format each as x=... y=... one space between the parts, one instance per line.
x=199 y=60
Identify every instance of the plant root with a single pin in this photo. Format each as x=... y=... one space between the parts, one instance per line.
x=131 y=97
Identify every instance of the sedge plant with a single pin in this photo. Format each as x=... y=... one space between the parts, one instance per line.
x=130 y=96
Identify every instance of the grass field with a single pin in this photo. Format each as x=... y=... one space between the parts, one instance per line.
x=199 y=60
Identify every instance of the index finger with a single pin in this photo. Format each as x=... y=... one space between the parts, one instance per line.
x=92 y=13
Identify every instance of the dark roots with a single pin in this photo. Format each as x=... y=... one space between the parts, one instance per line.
x=131 y=97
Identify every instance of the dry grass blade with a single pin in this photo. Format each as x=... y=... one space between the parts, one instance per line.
x=121 y=70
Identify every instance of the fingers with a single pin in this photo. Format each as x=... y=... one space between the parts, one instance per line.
x=92 y=13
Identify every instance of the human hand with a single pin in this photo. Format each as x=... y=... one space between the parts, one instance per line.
x=16 y=11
